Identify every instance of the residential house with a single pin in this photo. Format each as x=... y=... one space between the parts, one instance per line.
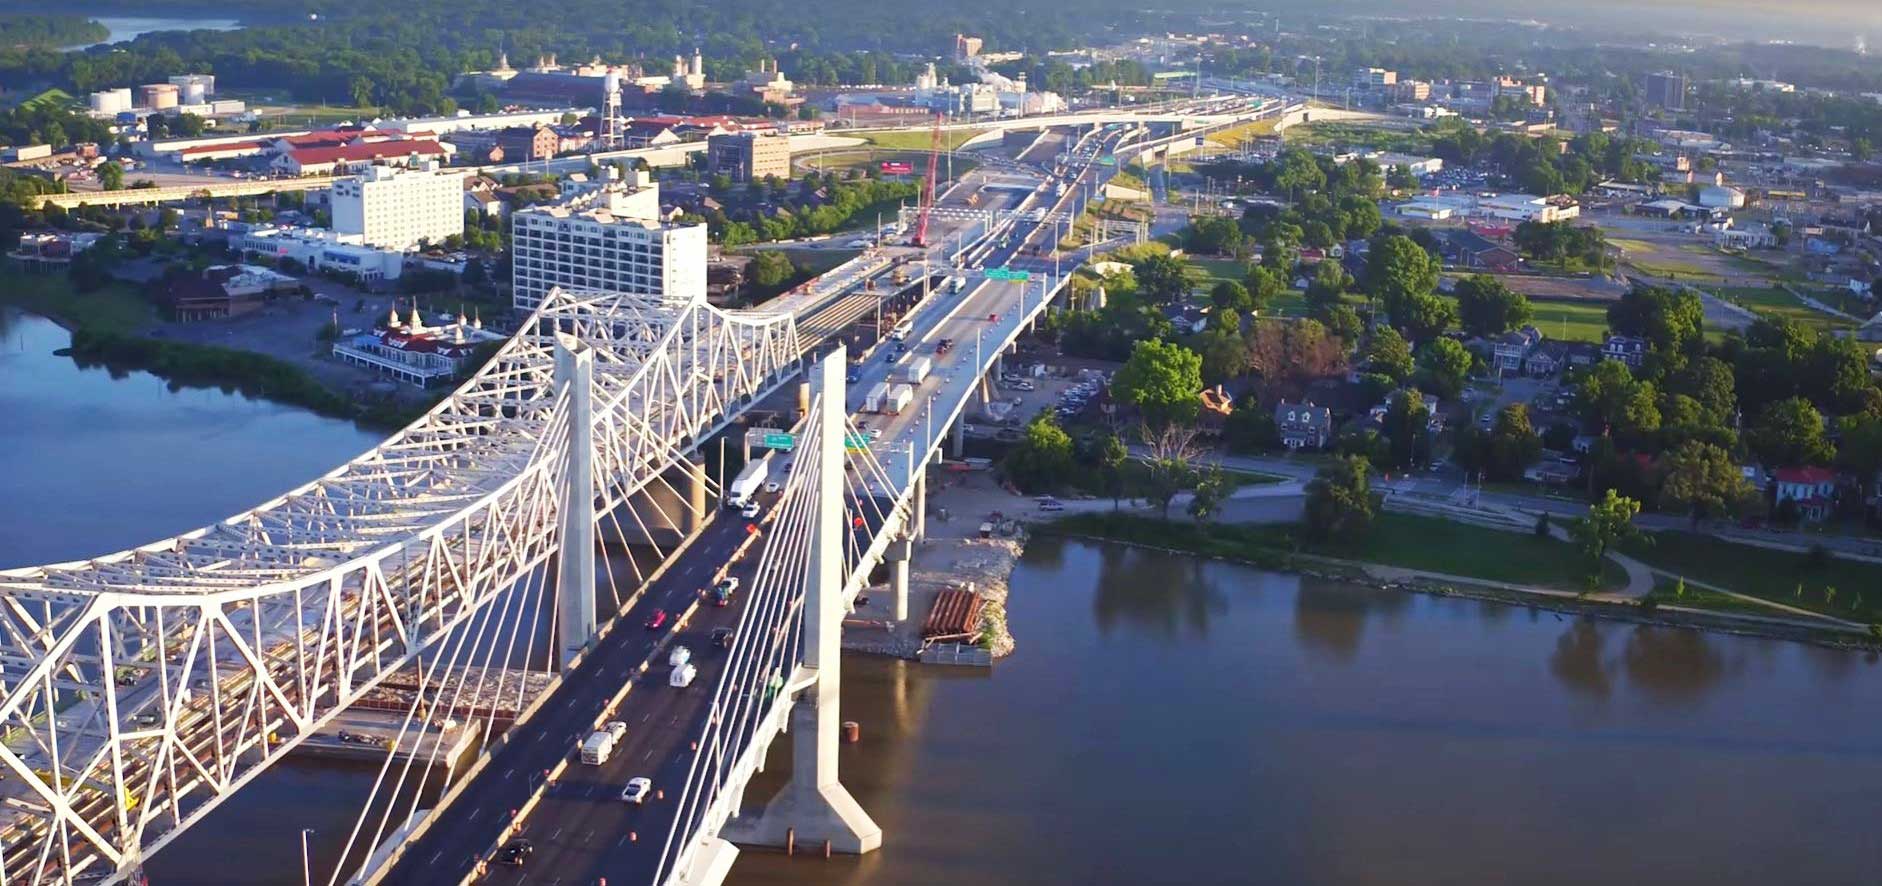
x=1303 y=425
x=1469 y=249
x=1625 y=348
x=1546 y=359
x=1811 y=489
x=1511 y=349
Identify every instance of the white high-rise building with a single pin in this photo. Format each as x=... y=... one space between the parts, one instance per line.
x=398 y=208
x=606 y=238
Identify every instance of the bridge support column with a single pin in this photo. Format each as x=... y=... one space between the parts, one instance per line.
x=695 y=516
x=898 y=553
x=814 y=806
x=575 y=565
x=919 y=518
x=957 y=437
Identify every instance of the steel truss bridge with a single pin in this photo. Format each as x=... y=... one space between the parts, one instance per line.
x=141 y=688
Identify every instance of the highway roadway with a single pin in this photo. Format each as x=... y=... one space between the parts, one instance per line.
x=655 y=714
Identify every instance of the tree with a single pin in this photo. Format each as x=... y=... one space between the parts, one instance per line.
x=1165 y=470
x=1424 y=316
x=1512 y=445
x=1670 y=320
x=1043 y=458
x=1339 y=504
x=1224 y=354
x=1443 y=366
x=1212 y=489
x=1112 y=456
x=1790 y=432
x=1162 y=379
x=1292 y=353
x=1486 y=307
x=1622 y=404
x=771 y=269
x=1250 y=428
x=1703 y=480
x=1609 y=522
x=1859 y=450
x=1389 y=354
x=1214 y=235
x=1399 y=270
x=110 y=176
x=1229 y=296
x=1264 y=285
x=1407 y=428
x=1162 y=278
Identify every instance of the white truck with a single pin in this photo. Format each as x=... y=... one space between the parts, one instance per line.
x=872 y=401
x=899 y=398
x=597 y=747
x=747 y=484
x=956 y=284
x=916 y=370
x=682 y=676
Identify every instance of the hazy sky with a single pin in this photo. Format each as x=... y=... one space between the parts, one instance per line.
x=1828 y=22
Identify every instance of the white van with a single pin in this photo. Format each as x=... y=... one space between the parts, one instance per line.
x=680 y=656
x=683 y=676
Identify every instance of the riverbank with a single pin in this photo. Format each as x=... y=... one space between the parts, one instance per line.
x=108 y=330
x=1189 y=540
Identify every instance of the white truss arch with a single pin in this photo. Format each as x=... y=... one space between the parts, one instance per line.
x=140 y=688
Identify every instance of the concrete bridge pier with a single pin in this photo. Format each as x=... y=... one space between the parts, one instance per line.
x=814 y=806
x=918 y=520
x=957 y=437
x=575 y=563
x=898 y=553
x=694 y=514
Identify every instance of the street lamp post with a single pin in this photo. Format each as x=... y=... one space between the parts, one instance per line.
x=307 y=867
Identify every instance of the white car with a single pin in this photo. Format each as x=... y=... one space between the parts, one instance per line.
x=875 y=433
x=617 y=729
x=637 y=790
x=773 y=486
x=750 y=511
x=680 y=656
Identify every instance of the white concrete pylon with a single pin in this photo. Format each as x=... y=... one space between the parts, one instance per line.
x=575 y=568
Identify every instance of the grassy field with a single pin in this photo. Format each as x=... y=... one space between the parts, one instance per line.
x=1233 y=136
x=1571 y=321
x=918 y=140
x=1780 y=576
x=1356 y=136
x=116 y=308
x=1775 y=302
x=1401 y=540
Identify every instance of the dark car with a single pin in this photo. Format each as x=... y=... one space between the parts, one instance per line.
x=515 y=852
x=657 y=620
x=722 y=637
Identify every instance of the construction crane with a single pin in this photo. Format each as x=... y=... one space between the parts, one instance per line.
x=927 y=185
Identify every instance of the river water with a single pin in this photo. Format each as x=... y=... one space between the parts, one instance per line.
x=130 y=27
x=1164 y=721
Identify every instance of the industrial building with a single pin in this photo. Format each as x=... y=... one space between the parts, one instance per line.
x=606 y=237
x=399 y=208
x=749 y=156
x=1667 y=89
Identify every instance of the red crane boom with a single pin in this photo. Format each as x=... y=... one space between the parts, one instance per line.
x=927 y=184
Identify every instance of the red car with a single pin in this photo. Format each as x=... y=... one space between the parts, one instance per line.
x=657 y=620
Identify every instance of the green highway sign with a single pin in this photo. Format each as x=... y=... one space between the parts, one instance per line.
x=855 y=442
x=1107 y=160
x=786 y=442
x=1007 y=274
